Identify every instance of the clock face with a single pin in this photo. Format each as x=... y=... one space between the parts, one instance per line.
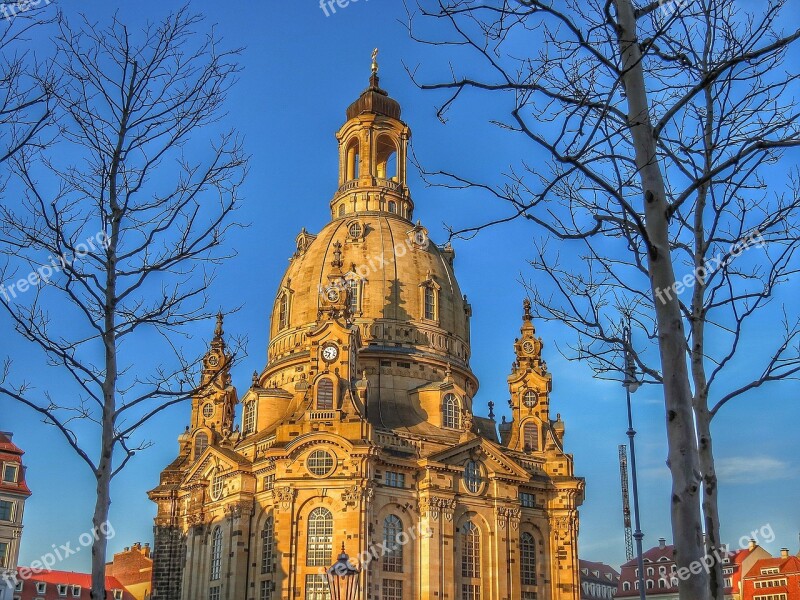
x=213 y=360
x=332 y=295
x=330 y=353
x=528 y=347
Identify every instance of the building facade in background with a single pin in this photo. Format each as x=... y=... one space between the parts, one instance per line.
x=773 y=578
x=598 y=580
x=133 y=568
x=361 y=434
x=13 y=494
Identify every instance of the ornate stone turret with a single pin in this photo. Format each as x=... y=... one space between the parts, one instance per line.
x=529 y=385
x=373 y=148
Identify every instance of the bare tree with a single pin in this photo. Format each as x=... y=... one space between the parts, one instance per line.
x=24 y=94
x=657 y=123
x=113 y=242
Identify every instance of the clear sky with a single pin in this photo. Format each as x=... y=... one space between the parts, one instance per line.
x=301 y=70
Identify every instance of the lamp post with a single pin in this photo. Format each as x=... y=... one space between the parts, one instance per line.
x=631 y=384
x=344 y=580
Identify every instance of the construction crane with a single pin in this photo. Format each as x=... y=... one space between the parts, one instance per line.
x=626 y=504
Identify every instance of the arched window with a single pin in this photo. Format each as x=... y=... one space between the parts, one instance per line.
x=200 y=444
x=392 y=206
x=325 y=394
x=626 y=586
x=650 y=571
x=283 y=311
x=650 y=584
x=353 y=160
x=530 y=437
x=216 y=554
x=352 y=295
x=470 y=562
x=471 y=551
x=527 y=553
x=430 y=303
x=268 y=547
x=451 y=412
x=386 y=155
x=341 y=210
x=393 y=549
x=249 y=420
x=320 y=538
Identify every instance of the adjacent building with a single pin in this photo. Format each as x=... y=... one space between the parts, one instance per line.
x=361 y=434
x=133 y=568
x=57 y=585
x=660 y=577
x=740 y=562
x=598 y=580
x=13 y=494
x=773 y=578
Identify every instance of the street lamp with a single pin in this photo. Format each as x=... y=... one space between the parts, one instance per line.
x=631 y=384
x=344 y=580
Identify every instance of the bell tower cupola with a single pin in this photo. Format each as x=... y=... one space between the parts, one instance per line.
x=373 y=146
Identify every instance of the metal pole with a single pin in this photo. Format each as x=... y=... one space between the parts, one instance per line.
x=637 y=534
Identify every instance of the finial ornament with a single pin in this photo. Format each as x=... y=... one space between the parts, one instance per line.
x=375 y=61
x=491 y=410
x=526 y=305
x=218 y=330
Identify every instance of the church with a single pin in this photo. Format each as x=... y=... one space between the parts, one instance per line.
x=359 y=437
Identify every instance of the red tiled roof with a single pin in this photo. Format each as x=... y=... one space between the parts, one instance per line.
x=785 y=565
x=54 y=578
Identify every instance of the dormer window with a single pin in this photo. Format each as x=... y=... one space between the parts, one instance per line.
x=200 y=444
x=429 y=299
x=451 y=412
x=249 y=419
x=62 y=590
x=530 y=437
x=41 y=588
x=10 y=473
x=76 y=591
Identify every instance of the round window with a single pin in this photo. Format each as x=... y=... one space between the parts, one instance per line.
x=355 y=230
x=473 y=479
x=320 y=463
x=208 y=410
x=530 y=399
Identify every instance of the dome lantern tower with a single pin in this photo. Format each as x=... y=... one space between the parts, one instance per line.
x=373 y=146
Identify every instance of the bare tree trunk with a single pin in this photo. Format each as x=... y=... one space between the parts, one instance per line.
x=683 y=458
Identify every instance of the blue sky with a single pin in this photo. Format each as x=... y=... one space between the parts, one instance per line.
x=301 y=70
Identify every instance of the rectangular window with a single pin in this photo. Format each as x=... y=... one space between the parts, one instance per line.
x=317 y=588
x=527 y=500
x=213 y=593
x=62 y=590
x=6 y=510
x=430 y=304
x=3 y=554
x=10 y=473
x=269 y=482
x=41 y=588
x=392 y=590
x=76 y=591
x=394 y=479
x=267 y=587
x=470 y=591
x=532 y=595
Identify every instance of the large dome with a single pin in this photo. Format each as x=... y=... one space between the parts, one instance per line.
x=389 y=267
x=395 y=285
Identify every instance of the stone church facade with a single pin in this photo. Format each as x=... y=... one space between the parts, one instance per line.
x=360 y=431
